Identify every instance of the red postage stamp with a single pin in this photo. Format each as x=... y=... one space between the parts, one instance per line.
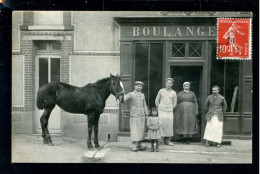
x=234 y=38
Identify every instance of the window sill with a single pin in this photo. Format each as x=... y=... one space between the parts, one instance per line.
x=46 y=27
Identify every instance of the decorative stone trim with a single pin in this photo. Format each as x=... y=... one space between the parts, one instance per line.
x=111 y=111
x=16 y=53
x=47 y=32
x=18 y=109
x=196 y=62
x=96 y=54
x=44 y=27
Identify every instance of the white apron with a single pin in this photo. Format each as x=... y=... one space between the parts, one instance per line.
x=166 y=122
x=213 y=131
x=137 y=128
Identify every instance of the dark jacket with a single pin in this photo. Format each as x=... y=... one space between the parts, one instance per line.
x=215 y=104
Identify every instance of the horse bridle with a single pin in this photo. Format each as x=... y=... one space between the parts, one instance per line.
x=117 y=93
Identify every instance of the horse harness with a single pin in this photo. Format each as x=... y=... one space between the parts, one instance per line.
x=117 y=93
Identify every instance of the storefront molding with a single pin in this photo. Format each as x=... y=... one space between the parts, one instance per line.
x=167 y=39
x=97 y=53
x=247 y=114
x=48 y=37
x=167 y=17
x=187 y=62
x=231 y=114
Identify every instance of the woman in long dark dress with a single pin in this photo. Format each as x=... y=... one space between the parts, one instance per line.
x=185 y=114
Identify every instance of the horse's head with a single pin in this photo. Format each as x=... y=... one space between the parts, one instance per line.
x=117 y=88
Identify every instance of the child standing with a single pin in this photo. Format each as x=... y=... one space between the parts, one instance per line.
x=153 y=125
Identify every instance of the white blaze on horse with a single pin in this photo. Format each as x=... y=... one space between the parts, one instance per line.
x=89 y=100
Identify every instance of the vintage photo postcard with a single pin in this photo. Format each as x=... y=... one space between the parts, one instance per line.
x=132 y=87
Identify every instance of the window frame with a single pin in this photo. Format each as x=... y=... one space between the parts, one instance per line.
x=49 y=47
x=163 y=62
x=187 y=49
x=222 y=89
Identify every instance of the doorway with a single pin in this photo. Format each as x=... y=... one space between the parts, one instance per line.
x=47 y=70
x=192 y=74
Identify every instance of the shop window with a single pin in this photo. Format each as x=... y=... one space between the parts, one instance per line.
x=149 y=69
x=178 y=50
x=225 y=74
x=42 y=46
x=195 y=49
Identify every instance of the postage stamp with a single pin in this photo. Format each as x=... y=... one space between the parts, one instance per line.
x=234 y=38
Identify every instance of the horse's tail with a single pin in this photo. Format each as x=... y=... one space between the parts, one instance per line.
x=38 y=101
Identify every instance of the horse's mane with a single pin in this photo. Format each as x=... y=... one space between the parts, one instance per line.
x=100 y=82
x=103 y=80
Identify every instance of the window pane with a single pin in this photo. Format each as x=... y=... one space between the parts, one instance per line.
x=227 y=71
x=156 y=72
x=178 y=50
x=55 y=69
x=56 y=45
x=217 y=71
x=141 y=65
x=41 y=45
x=43 y=71
x=195 y=50
x=232 y=80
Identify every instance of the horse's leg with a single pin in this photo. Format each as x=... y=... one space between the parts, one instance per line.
x=44 y=123
x=97 y=146
x=90 y=125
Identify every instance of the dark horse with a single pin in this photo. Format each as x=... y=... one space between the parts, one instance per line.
x=89 y=100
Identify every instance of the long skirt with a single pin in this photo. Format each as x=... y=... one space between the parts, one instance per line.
x=213 y=131
x=137 y=128
x=166 y=122
x=185 y=119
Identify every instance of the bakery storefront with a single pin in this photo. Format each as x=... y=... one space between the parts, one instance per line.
x=184 y=48
x=81 y=47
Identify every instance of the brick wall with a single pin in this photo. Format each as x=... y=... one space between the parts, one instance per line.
x=27 y=49
x=27 y=18
x=66 y=51
x=66 y=18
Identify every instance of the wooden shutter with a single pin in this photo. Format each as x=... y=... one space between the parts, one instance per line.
x=126 y=72
x=246 y=98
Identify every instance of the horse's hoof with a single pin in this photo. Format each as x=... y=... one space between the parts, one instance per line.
x=90 y=146
x=50 y=144
x=97 y=146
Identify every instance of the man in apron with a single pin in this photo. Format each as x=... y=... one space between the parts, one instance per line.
x=215 y=106
x=138 y=111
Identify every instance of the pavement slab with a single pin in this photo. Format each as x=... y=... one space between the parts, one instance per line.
x=30 y=149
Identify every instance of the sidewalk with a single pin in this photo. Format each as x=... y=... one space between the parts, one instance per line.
x=29 y=148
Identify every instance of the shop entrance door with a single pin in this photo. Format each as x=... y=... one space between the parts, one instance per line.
x=192 y=74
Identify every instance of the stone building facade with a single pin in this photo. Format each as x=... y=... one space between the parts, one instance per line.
x=81 y=47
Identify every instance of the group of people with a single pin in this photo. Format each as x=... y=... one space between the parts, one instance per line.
x=183 y=106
